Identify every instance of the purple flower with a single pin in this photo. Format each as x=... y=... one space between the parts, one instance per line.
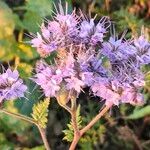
x=110 y=68
x=118 y=50
x=83 y=59
x=141 y=42
x=131 y=95
x=74 y=83
x=44 y=46
x=91 y=33
x=99 y=87
x=97 y=66
x=45 y=32
x=87 y=78
x=67 y=66
x=37 y=42
x=115 y=93
x=100 y=30
x=63 y=29
x=142 y=50
x=109 y=91
x=86 y=29
x=11 y=86
x=48 y=78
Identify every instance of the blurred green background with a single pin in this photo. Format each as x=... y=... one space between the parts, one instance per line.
x=128 y=128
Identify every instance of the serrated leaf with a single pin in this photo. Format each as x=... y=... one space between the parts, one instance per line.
x=40 y=112
x=79 y=118
x=68 y=135
x=139 y=113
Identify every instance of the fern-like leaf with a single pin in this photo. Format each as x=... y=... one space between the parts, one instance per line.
x=79 y=118
x=40 y=112
x=69 y=132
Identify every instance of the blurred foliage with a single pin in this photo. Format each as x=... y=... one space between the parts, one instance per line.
x=140 y=112
x=127 y=129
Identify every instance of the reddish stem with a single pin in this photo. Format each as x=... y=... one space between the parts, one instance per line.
x=79 y=134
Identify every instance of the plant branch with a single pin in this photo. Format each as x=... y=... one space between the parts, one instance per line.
x=30 y=120
x=74 y=117
x=74 y=124
x=95 y=119
x=87 y=127
x=43 y=135
x=19 y=116
x=65 y=107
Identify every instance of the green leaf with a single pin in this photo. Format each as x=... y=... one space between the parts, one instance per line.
x=40 y=112
x=42 y=8
x=36 y=11
x=139 y=113
x=32 y=21
x=68 y=135
x=2 y=138
x=79 y=118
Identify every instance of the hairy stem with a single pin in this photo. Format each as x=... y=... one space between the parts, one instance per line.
x=65 y=107
x=74 y=123
x=19 y=116
x=43 y=135
x=74 y=142
x=30 y=120
x=87 y=127
x=74 y=117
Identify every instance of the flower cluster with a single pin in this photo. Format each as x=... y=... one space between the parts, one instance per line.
x=11 y=86
x=111 y=69
x=67 y=29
